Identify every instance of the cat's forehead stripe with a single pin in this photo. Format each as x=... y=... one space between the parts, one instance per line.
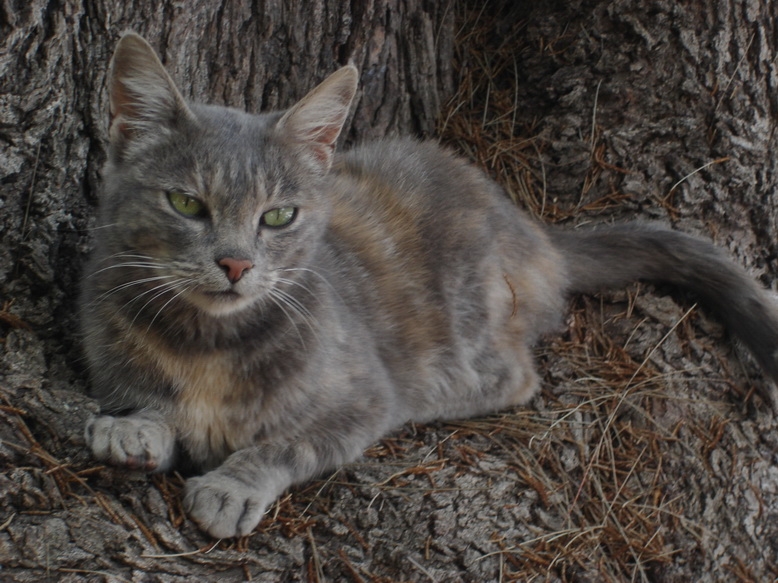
x=232 y=178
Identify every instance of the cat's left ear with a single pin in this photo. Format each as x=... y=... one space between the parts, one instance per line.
x=316 y=121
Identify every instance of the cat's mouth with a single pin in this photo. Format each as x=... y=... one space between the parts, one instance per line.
x=223 y=298
x=219 y=303
x=223 y=295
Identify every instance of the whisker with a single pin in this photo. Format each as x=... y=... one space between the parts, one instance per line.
x=278 y=301
x=312 y=272
x=165 y=305
x=144 y=265
x=167 y=288
x=294 y=303
x=127 y=254
x=291 y=282
x=102 y=297
x=299 y=308
x=102 y=227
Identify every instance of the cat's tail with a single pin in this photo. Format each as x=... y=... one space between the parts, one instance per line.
x=612 y=256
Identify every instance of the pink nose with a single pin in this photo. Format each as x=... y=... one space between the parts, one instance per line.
x=234 y=268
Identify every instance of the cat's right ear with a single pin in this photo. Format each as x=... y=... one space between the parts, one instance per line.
x=143 y=98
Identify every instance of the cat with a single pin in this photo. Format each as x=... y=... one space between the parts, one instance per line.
x=259 y=310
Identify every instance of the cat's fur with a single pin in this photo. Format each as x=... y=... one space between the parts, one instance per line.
x=407 y=287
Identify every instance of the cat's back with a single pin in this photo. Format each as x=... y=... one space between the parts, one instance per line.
x=435 y=235
x=434 y=255
x=420 y=174
x=418 y=191
x=407 y=189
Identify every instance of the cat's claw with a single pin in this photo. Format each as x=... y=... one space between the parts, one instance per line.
x=134 y=442
x=225 y=506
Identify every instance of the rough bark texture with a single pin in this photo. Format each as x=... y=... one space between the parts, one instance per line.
x=617 y=109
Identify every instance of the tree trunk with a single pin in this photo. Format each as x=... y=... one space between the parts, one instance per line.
x=587 y=110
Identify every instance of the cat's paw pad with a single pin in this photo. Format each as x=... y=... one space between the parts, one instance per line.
x=224 y=506
x=133 y=442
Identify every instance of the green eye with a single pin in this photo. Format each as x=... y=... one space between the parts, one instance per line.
x=279 y=217
x=185 y=204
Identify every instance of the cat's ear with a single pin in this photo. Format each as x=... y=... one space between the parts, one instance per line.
x=315 y=122
x=143 y=98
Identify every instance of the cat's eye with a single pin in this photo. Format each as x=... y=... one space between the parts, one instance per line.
x=185 y=204
x=280 y=217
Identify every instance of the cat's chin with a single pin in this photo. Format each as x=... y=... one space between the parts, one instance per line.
x=220 y=303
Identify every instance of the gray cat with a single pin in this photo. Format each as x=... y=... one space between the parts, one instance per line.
x=260 y=309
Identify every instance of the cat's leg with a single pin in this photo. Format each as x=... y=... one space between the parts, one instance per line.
x=140 y=441
x=231 y=500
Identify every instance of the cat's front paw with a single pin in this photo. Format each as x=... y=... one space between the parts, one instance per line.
x=225 y=506
x=137 y=442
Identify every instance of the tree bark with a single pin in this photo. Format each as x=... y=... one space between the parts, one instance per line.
x=587 y=110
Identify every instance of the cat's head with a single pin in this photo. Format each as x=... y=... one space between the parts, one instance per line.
x=208 y=204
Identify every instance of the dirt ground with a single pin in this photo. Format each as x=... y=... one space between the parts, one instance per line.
x=648 y=456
